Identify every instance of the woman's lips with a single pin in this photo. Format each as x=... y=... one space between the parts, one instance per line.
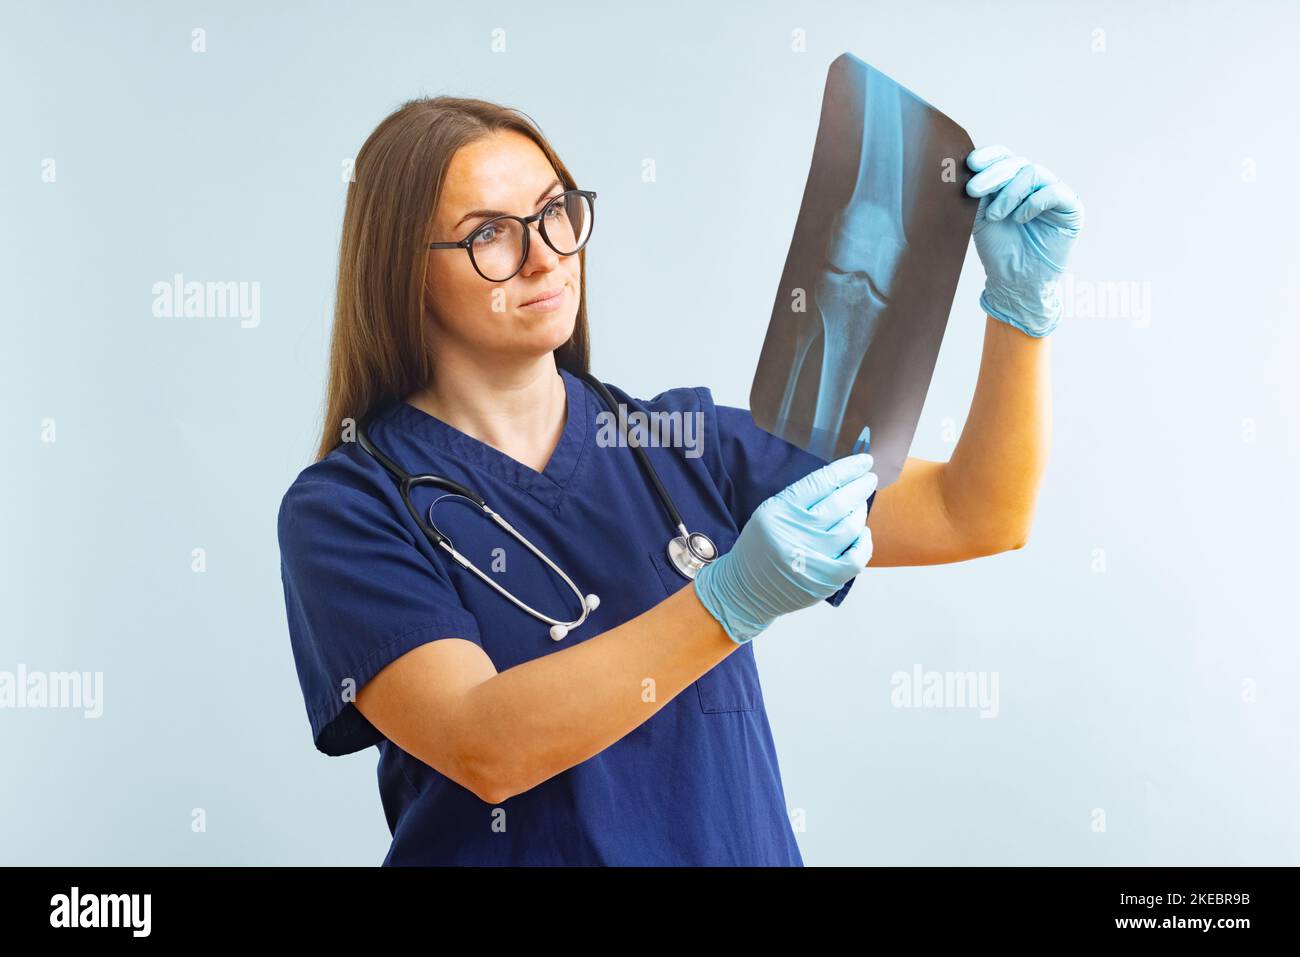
x=547 y=303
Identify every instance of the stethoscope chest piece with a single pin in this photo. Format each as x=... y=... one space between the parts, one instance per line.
x=690 y=553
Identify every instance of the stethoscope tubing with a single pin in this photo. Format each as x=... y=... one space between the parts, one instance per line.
x=648 y=466
x=407 y=481
x=470 y=566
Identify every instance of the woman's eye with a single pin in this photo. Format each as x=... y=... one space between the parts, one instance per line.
x=485 y=236
x=555 y=211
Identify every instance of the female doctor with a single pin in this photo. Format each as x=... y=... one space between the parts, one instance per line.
x=632 y=731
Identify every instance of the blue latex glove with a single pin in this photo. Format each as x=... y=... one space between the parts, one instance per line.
x=1024 y=229
x=799 y=547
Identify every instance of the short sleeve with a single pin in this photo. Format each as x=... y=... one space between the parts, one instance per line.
x=358 y=595
x=755 y=464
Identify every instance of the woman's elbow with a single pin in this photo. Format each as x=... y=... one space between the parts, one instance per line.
x=1013 y=538
x=483 y=773
x=496 y=786
x=1003 y=538
x=492 y=796
x=494 y=771
x=485 y=786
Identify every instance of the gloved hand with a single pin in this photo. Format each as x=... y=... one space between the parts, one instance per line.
x=799 y=547
x=1024 y=229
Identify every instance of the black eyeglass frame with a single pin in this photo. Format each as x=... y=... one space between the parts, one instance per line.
x=525 y=222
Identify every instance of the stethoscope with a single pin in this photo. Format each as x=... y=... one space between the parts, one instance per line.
x=688 y=551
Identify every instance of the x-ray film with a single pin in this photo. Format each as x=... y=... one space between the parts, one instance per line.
x=871 y=273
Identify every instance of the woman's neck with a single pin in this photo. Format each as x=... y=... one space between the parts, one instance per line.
x=519 y=411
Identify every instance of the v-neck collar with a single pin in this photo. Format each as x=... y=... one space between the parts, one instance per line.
x=547 y=486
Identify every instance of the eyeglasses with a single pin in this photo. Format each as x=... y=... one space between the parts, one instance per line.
x=498 y=249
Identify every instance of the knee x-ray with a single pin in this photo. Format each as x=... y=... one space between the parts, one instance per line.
x=871 y=273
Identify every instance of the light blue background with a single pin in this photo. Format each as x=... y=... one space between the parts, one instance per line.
x=1120 y=690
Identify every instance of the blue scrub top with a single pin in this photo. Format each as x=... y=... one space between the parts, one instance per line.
x=695 y=784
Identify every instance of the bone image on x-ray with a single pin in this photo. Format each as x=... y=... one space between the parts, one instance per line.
x=853 y=285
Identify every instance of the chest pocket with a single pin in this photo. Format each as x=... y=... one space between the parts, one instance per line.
x=732 y=684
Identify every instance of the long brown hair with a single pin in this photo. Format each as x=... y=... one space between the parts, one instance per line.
x=379 y=348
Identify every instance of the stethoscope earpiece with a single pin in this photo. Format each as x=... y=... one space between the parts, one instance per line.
x=591 y=603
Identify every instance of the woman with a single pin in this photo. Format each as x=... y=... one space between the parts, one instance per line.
x=502 y=742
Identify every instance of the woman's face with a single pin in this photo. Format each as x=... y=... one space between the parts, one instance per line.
x=504 y=171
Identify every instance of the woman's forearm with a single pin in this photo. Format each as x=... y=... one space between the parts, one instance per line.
x=990 y=484
x=539 y=718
